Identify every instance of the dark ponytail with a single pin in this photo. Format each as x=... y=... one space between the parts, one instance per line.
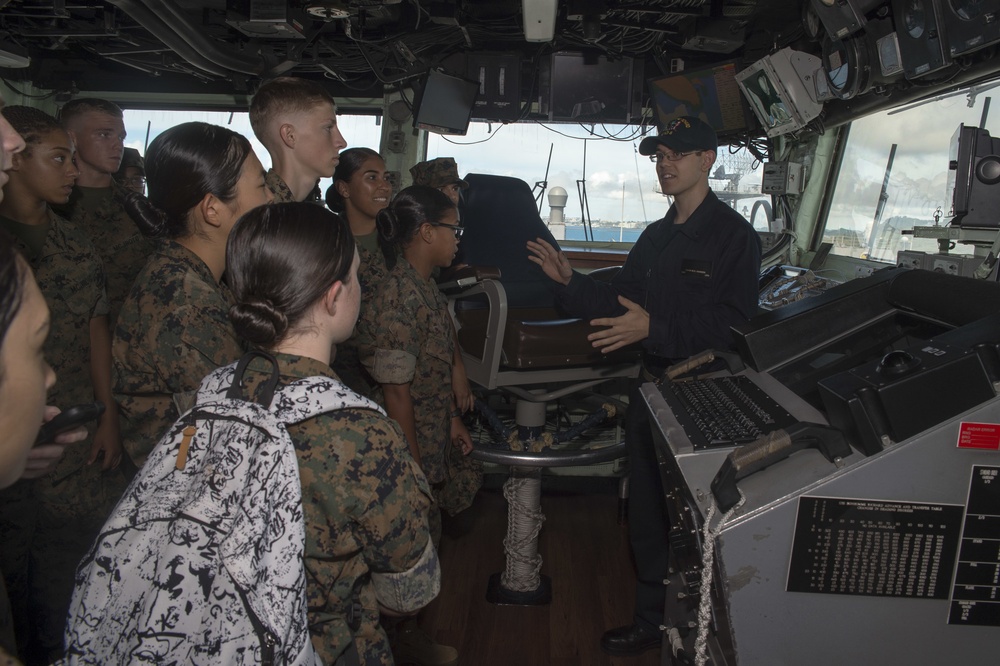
x=399 y=222
x=280 y=260
x=183 y=164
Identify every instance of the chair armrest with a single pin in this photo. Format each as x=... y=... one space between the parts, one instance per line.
x=453 y=280
x=483 y=369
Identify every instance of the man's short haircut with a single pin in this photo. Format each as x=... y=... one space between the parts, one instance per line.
x=73 y=109
x=284 y=95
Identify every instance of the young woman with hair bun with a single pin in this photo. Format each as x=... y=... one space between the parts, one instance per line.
x=174 y=327
x=293 y=271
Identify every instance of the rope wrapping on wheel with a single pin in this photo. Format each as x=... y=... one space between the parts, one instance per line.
x=523 y=491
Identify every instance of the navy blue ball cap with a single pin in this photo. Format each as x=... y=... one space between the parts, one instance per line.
x=682 y=135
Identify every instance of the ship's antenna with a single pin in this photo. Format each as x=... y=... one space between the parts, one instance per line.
x=544 y=183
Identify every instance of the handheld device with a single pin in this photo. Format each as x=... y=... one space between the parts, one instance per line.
x=68 y=419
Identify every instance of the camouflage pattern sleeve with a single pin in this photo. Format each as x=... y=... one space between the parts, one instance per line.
x=371 y=275
x=410 y=327
x=47 y=524
x=366 y=506
x=100 y=214
x=390 y=366
x=172 y=331
x=393 y=324
x=70 y=275
x=102 y=308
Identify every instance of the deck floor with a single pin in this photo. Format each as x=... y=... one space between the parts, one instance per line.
x=586 y=554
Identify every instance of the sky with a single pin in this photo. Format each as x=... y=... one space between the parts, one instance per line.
x=620 y=183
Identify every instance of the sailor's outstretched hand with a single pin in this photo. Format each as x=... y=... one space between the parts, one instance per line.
x=630 y=327
x=553 y=262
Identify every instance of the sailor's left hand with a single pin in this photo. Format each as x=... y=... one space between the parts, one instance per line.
x=630 y=327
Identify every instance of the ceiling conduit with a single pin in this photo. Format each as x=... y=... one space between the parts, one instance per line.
x=168 y=24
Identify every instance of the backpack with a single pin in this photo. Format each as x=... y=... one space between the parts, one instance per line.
x=201 y=562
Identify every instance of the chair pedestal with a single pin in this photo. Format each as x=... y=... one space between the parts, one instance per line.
x=521 y=583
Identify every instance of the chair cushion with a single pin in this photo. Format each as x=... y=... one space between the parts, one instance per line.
x=539 y=338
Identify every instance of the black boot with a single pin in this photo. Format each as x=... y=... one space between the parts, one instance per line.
x=630 y=640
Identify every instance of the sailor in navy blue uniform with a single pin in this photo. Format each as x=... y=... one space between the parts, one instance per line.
x=688 y=279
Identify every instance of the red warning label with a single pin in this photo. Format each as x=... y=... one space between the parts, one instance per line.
x=979 y=436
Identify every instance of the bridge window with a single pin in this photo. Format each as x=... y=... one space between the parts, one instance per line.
x=917 y=191
x=622 y=191
x=358 y=130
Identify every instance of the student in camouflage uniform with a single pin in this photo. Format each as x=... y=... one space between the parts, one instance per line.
x=365 y=499
x=442 y=174
x=406 y=342
x=406 y=339
x=359 y=191
x=97 y=204
x=132 y=173
x=174 y=327
x=47 y=524
x=296 y=120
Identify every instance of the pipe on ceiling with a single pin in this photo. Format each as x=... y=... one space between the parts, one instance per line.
x=172 y=15
x=151 y=22
x=170 y=26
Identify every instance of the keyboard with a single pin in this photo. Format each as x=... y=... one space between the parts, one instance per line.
x=724 y=411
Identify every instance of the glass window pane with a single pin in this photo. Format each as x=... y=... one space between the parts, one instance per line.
x=622 y=190
x=357 y=130
x=917 y=193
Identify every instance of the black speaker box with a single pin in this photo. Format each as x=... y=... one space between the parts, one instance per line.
x=922 y=45
x=499 y=76
x=971 y=24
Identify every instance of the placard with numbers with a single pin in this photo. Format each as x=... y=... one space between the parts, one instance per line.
x=975 y=598
x=874 y=547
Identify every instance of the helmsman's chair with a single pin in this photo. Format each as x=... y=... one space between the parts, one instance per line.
x=514 y=340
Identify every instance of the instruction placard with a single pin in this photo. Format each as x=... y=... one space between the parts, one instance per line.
x=874 y=548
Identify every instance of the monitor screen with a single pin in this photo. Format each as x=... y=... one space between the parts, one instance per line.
x=445 y=103
x=711 y=94
x=596 y=89
x=776 y=88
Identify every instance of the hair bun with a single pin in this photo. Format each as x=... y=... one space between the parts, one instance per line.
x=258 y=321
x=151 y=220
x=387 y=224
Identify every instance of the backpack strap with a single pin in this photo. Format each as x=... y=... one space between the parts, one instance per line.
x=235 y=391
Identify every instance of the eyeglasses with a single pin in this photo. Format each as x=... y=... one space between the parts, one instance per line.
x=658 y=157
x=459 y=230
x=135 y=181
